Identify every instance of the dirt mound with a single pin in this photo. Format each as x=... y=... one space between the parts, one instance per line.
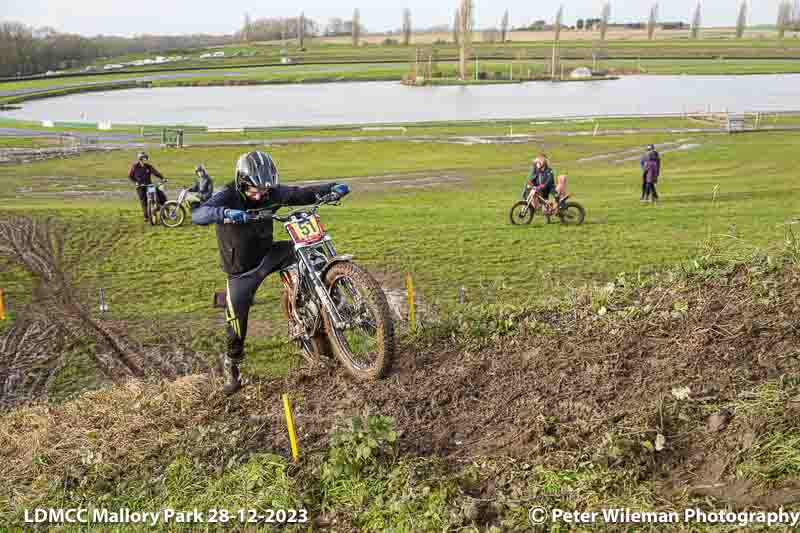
x=677 y=384
x=617 y=374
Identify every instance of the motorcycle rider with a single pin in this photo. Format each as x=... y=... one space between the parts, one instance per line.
x=541 y=178
x=247 y=250
x=202 y=189
x=141 y=173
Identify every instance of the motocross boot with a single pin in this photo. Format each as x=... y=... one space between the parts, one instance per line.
x=234 y=379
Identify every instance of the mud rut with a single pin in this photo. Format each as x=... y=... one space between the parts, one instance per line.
x=567 y=381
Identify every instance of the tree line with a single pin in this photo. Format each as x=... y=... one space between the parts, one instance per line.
x=25 y=51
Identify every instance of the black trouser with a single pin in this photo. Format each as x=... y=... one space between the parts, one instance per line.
x=142 y=192
x=241 y=290
x=650 y=189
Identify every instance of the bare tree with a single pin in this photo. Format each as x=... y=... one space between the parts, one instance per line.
x=246 y=28
x=456 y=26
x=795 y=17
x=504 y=27
x=696 y=21
x=406 y=26
x=784 y=17
x=741 y=21
x=301 y=30
x=559 y=22
x=652 y=21
x=356 y=31
x=604 y=16
x=465 y=32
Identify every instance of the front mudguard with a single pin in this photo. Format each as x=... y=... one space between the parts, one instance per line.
x=344 y=258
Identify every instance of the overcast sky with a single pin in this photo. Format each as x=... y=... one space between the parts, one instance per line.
x=91 y=17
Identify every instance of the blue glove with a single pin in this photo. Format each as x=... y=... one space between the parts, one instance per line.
x=237 y=216
x=340 y=190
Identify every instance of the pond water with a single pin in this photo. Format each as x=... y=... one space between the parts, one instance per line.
x=375 y=102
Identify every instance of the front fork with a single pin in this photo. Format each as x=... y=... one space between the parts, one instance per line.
x=292 y=285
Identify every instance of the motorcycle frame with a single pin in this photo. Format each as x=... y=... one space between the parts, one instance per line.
x=306 y=270
x=554 y=209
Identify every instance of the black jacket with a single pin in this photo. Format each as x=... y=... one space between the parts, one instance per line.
x=141 y=174
x=242 y=247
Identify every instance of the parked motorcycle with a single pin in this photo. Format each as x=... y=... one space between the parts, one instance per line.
x=153 y=205
x=173 y=213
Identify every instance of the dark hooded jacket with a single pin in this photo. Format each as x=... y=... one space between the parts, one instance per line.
x=203 y=185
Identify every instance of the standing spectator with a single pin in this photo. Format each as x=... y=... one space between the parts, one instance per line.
x=651 y=152
x=651 y=170
x=141 y=173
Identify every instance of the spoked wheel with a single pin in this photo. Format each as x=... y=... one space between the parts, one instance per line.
x=172 y=214
x=314 y=348
x=366 y=344
x=572 y=214
x=521 y=213
x=152 y=210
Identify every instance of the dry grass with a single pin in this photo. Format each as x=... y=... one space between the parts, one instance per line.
x=97 y=437
x=59 y=318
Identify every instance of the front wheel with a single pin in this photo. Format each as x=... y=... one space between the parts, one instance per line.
x=521 y=213
x=172 y=214
x=152 y=211
x=572 y=213
x=366 y=344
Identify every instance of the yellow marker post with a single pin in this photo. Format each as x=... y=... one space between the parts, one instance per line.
x=2 y=305
x=287 y=409
x=411 y=317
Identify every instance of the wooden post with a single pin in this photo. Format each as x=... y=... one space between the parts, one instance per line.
x=2 y=305
x=287 y=409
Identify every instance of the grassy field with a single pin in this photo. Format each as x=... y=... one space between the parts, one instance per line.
x=435 y=209
x=530 y=126
x=537 y=44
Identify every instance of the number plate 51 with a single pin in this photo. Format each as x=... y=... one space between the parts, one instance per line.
x=307 y=230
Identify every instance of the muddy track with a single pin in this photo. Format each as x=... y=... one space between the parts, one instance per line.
x=569 y=380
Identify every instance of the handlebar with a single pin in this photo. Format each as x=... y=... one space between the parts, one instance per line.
x=263 y=214
x=161 y=181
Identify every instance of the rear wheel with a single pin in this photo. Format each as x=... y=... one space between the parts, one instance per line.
x=366 y=344
x=317 y=345
x=521 y=213
x=572 y=214
x=172 y=214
